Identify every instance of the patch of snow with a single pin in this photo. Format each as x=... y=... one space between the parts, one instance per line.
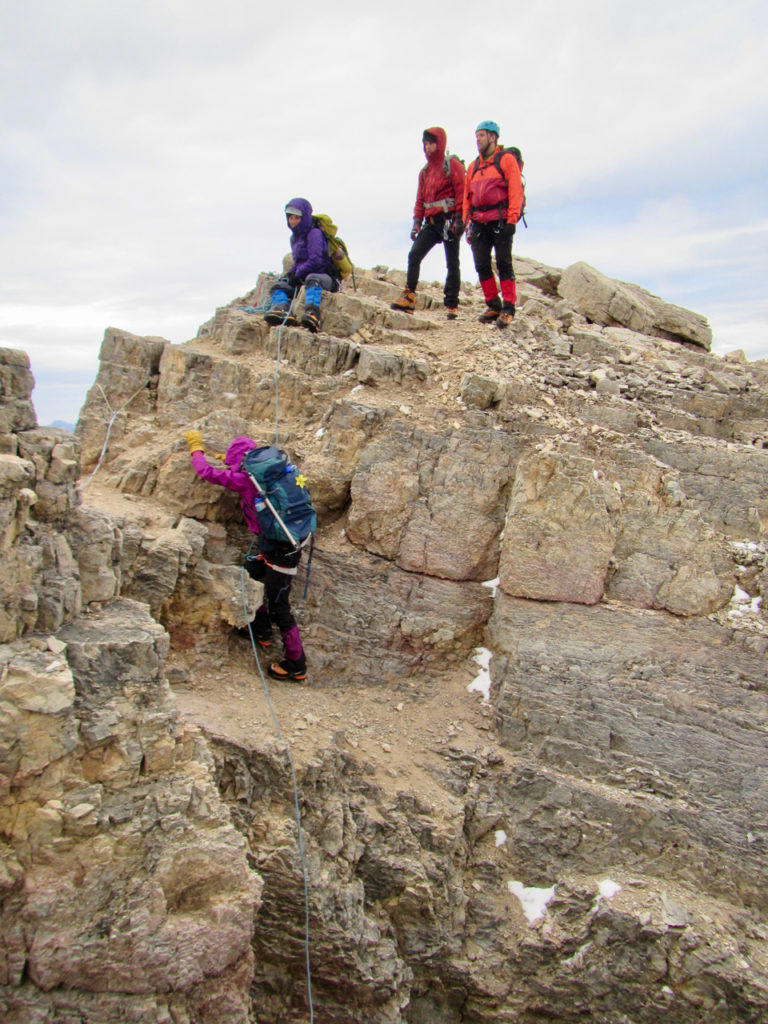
x=533 y=901
x=608 y=889
x=746 y=545
x=501 y=837
x=743 y=604
x=492 y=585
x=320 y=432
x=482 y=682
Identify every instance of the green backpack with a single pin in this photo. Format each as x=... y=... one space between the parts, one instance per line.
x=337 y=250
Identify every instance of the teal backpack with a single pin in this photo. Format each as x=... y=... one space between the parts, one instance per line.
x=283 y=505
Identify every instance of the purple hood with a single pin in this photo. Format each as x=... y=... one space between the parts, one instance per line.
x=237 y=450
x=305 y=207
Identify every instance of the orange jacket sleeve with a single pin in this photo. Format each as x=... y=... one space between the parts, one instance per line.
x=511 y=171
x=465 y=203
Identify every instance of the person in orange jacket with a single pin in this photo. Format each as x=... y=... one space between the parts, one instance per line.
x=493 y=204
x=436 y=220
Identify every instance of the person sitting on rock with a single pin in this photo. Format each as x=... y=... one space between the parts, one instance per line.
x=274 y=564
x=436 y=220
x=312 y=267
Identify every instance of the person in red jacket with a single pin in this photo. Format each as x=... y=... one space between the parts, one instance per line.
x=436 y=219
x=493 y=204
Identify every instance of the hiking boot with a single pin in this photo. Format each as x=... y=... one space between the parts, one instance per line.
x=262 y=635
x=451 y=313
x=280 y=315
x=406 y=303
x=311 y=319
x=288 y=669
x=505 y=318
x=490 y=316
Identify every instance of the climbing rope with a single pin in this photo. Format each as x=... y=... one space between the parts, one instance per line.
x=113 y=417
x=297 y=809
x=277 y=371
x=260 y=308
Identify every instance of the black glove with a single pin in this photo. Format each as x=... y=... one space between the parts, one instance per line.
x=457 y=227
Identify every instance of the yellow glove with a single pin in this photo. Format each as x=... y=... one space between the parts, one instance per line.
x=195 y=441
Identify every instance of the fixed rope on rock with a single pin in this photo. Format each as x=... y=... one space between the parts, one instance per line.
x=113 y=417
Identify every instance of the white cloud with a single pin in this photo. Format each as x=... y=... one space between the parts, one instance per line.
x=147 y=151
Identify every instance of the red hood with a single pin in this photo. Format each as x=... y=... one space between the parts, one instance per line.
x=442 y=142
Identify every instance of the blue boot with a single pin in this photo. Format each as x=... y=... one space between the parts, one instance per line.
x=280 y=311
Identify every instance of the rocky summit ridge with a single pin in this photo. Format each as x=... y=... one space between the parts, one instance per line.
x=578 y=833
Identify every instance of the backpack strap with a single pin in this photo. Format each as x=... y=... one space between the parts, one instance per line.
x=498 y=154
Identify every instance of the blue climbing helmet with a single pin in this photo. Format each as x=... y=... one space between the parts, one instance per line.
x=489 y=126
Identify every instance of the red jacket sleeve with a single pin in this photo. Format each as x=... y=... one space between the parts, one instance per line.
x=418 y=210
x=457 y=181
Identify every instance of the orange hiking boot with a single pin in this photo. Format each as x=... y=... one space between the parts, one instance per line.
x=280 y=315
x=505 y=318
x=311 y=319
x=406 y=303
x=492 y=311
x=451 y=313
x=288 y=669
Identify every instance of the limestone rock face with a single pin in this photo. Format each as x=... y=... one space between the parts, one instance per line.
x=646 y=704
x=134 y=881
x=578 y=503
x=605 y=301
x=417 y=498
x=580 y=528
x=16 y=383
x=559 y=537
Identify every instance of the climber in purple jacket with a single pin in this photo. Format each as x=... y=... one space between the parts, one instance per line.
x=274 y=565
x=312 y=267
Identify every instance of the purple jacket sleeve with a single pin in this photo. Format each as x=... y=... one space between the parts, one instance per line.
x=233 y=480
x=316 y=260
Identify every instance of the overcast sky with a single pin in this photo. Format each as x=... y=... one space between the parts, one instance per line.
x=148 y=150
